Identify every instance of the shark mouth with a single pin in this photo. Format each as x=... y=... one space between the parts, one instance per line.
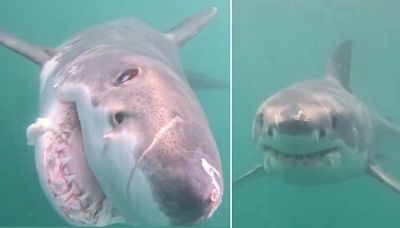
x=65 y=174
x=328 y=156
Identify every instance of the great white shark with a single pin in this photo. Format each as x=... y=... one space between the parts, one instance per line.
x=318 y=132
x=121 y=136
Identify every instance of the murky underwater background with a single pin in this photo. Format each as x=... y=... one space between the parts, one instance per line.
x=48 y=23
x=279 y=42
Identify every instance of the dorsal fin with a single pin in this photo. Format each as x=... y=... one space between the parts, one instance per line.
x=340 y=63
x=189 y=28
x=38 y=55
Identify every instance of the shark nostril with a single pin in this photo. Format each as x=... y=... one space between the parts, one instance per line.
x=118 y=117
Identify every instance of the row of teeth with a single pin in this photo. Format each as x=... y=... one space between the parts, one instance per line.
x=330 y=156
x=75 y=204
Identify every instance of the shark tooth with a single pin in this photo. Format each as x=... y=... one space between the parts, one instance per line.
x=70 y=178
x=64 y=161
x=66 y=196
x=84 y=197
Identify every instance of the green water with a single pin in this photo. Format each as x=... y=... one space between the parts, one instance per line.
x=48 y=23
x=280 y=42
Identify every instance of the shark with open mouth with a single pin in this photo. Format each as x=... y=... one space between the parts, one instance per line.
x=317 y=132
x=121 y=136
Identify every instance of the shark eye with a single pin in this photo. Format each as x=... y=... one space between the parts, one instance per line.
x=118 y=118
x=126 y=76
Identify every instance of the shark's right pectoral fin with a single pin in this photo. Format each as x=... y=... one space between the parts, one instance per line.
x=377 y=172
x=38 y=55
x=250 y=176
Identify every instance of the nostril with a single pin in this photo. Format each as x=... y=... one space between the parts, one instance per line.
x=118 y=117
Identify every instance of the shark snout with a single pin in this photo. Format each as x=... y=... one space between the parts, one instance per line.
x=296 y=125
x=192 y=201
x=175 y=162
x=193 y=196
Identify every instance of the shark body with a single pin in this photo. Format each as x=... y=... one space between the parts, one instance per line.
x=121 y=137
x=318 y=132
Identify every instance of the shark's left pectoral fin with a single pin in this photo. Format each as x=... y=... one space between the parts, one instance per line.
x=38 y=55
x=385 y=163
x=250 y=176
x=200 y=81
x=387 y=142
x=190 y=27
x=377 y=172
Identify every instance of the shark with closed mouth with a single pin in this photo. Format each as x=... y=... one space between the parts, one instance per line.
x=317 y=132
x=121 y=136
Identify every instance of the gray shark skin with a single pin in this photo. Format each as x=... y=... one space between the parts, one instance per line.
x=317 y=131
x=121 y=137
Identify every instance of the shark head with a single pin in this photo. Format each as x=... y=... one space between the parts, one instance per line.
x=315 y=131
x=148 y=129
x=145 y=135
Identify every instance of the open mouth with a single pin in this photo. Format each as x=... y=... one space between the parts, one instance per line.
x=327 y=156
x=72 y=186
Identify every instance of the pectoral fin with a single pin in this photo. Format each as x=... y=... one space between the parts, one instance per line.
x=385 y=159
x=250 y=176
x=38 y=55
x=383 y=177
